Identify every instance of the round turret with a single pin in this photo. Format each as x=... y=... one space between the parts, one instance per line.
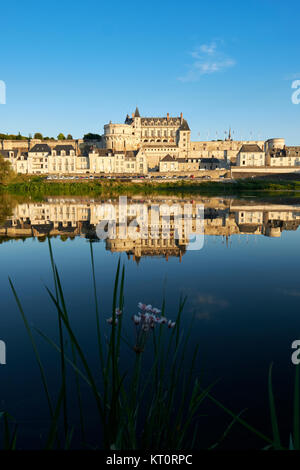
x=272 y=144
x=274 y=232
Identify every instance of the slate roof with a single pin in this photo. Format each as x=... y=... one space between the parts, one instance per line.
x=248 y=228
x=65 y=148
x=24 y=155
x=168 y=158
x=184 y=126
x=209 y=160
x=37 y=148
x=103 y=152
x=5 y=153
x=128 y=120
x=251 y=148
x=292 y=151
x=159 y=121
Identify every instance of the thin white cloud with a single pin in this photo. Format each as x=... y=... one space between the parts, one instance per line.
x=209 y=49
x=208 y=59
x=209 y=299
x=290 y=292
x=205 y=305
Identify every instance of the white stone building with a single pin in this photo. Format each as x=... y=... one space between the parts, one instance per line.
x=251 y=155
x=62 y=160
x=20 y=164
x=168 y=164
x=118 y=161
x=38 y=159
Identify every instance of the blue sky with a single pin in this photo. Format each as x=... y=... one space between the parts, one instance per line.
x=72 y=66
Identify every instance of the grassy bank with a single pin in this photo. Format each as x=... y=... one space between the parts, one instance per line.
x=37 y=187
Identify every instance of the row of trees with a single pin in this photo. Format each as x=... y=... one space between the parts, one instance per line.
x=12 y=137
x=89 y=136
x=39 y=135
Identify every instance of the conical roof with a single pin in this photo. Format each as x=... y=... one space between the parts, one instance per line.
x=184 y=126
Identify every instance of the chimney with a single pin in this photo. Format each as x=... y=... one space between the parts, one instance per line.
x=132 y=115
x=181 y=116
x=168 y=116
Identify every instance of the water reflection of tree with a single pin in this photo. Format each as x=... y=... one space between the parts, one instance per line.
x=7 y=204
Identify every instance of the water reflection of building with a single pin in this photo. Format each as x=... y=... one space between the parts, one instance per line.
x=267 y=219
x=68 y=218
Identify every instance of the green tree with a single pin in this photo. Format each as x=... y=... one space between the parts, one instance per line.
x=5 y=170
x=61 y=137
x=69 y=137
x=91 y=136
x=6 y=207
x=38 y=135
x=12 y=137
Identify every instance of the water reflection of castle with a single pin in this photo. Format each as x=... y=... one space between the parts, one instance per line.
x=69 y=218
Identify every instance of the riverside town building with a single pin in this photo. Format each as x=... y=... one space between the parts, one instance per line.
x=145 y=145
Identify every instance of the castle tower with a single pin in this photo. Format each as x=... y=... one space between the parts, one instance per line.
x=137 y=124
x=184 y=136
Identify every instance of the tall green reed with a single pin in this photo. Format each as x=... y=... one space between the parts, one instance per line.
x=154 y=406
x=135 y=408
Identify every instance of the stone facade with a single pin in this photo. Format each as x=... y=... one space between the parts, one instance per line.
x=212 y=164
x=162 y=136
x=227 y=149
x=118 y=161
x=158 y=136
x=286 y=156
x=251 y=155
x=143 y=144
